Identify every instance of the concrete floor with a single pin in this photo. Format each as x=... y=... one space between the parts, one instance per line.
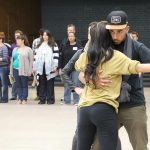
x=34 y=127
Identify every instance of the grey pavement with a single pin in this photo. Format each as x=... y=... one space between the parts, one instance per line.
x=46 y=127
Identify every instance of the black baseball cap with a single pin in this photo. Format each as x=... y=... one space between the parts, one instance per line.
x=117 y=20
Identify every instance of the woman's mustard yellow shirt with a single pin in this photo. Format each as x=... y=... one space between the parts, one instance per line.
x=117 y=66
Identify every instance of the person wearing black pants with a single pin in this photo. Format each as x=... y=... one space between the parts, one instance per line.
x=100 y=118
x=45 y=67
x=37 y=93
x=46 y=89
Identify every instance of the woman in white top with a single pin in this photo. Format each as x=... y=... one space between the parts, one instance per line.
x=45 y=66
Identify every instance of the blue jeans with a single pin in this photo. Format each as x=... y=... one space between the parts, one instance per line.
x=67 y=92
x=14 y=92
x=22 y=85
x=4 y=83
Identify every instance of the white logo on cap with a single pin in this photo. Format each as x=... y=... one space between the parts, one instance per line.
x=115 y=19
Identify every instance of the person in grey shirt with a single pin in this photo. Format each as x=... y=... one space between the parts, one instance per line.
x=21 y=67
x=4 y=67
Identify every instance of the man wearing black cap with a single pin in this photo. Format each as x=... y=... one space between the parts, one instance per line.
x=132 y=113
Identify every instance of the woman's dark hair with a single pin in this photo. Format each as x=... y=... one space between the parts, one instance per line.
x=41 y=31
x=99 y=50
x=51 y=41
x=24 y=38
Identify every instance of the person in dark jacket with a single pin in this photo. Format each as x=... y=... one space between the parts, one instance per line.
x=70 y=28
x=132 y=114
x=68 y=51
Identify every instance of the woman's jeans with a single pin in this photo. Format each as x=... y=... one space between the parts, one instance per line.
x=21 y=84
x=4 y=83
x=100 y=118
x=67 y=92
x=14 y=91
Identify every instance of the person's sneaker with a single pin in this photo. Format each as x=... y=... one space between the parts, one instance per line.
x=13 y=99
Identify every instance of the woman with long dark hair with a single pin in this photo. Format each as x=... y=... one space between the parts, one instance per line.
x=46 y=67
x=99 y=105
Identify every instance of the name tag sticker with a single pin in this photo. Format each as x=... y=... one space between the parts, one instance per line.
x=75 y=48
x=55 y=48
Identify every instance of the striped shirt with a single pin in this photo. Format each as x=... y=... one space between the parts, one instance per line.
x=4 y=56
x=50 y=59
x=56 y=55
x=35 y=44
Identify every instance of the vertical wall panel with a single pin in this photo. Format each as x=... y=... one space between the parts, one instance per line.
x=23 y=15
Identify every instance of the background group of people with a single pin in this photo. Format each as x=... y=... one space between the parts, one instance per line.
x=69 y=46
x=61 y=55
x=44 y=61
